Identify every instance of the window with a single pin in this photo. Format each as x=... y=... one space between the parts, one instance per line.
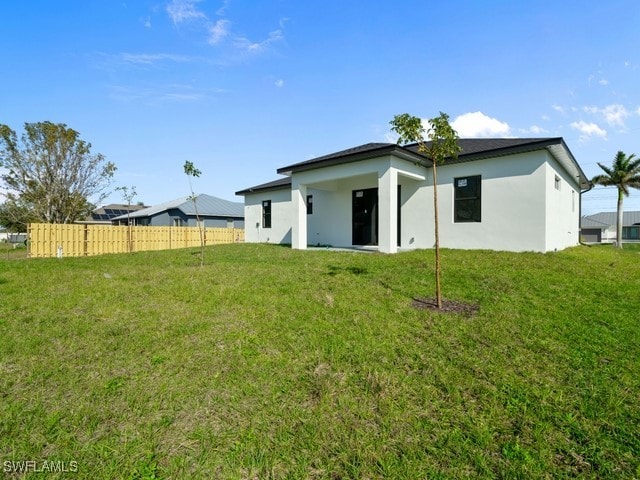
x=266 y=214
x=631 y=233
x=467 y=199
x=309 y=204
x=177 y=222
x=556 y=182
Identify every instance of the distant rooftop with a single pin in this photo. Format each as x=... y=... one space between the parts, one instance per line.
x=607 y=219
x=208 y=205
x=106 y=213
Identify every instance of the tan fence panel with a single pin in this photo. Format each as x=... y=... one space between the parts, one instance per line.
x=47 y=240
x=51 y=240
x=103 y=239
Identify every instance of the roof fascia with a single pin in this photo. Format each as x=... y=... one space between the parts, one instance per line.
x=397 y=150
x=569 y=162
x=248 y=191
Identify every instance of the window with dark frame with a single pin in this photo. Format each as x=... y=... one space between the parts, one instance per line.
x=467 y=199
x=266 y=214
x=309 y=204
x=631 y=233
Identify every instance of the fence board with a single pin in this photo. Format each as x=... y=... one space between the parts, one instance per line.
x=46 y=240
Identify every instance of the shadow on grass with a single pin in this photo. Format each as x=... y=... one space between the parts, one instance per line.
x=334 y=270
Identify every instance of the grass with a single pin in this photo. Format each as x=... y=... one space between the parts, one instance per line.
x=275 y=363
x=10 y=251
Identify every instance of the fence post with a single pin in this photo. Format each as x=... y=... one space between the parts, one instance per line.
x=85 y=247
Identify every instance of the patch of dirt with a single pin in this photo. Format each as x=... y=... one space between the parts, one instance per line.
x=448 y=306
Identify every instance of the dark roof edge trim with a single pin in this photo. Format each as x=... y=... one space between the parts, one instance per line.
x=355 y=157
x=530 y=146
x=280 y=184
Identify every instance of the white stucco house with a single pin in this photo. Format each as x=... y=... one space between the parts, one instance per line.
x=515 y=194
x=601 y=227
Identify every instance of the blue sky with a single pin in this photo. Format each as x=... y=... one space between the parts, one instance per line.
x=241 y=88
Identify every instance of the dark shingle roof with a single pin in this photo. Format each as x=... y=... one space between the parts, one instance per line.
x=361 y=152
x=471 y=149
x=274 y=185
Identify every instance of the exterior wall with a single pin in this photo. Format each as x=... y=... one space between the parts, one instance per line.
x=330 y=223
x=512 y=204
x=562 y=208
x=166 y=219
x=216 y=222
x=609 y=234
x=280 y=231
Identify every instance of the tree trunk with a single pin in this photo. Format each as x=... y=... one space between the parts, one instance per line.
x=437 y=234
x=619 y=222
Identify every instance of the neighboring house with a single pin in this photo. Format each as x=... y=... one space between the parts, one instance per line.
x=500 y=194
x=104 y=215
x=601 y=227
x=213 y=211
x=11 y=237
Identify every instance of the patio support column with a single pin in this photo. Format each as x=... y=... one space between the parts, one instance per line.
x=388 y=210
x=299 y=214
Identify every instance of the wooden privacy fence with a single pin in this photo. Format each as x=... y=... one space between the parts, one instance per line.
x=51 y=240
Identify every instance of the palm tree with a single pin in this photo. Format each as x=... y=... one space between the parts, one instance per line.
x=624 y=173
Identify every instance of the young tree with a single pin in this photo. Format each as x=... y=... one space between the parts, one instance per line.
x=128 y=194
x=52 y=171
x=191 y=171
x=624 y=173
x=443 y=144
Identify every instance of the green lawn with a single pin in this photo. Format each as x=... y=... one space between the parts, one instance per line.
x=275 y=363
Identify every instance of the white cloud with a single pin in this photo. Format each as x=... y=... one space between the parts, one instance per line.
x=223 y=9
x=218 y=31
x=603 y=82
x=256 y=47
x=279 y=83
x=615 y=114
x=156 y=94
x=588 y=130
x=534 y=130
x=151 y=58
x=184 y=10
x=180 y=11
x=558 y=108
x=477 y=124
